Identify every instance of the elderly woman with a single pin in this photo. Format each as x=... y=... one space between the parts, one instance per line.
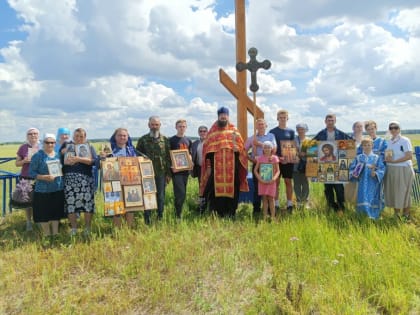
x=300 y=181
x=79 y=184
x=23 y=158
x=399 y=174
x=48 y=200
x=122 y=145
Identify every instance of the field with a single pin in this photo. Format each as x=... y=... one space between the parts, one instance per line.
x=311 y=262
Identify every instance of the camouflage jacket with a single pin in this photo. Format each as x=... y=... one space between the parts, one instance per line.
x=158 y=151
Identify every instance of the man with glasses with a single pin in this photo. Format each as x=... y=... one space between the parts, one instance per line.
x=197 y=158
x=331 y=133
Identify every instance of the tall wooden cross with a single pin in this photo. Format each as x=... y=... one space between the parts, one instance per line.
x=239 y=89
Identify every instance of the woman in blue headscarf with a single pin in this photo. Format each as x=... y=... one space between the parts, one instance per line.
x=122 y=145
x=63 y=135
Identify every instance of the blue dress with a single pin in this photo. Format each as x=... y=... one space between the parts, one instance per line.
x=369 y=192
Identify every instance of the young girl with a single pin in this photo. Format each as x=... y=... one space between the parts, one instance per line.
x=267 y=171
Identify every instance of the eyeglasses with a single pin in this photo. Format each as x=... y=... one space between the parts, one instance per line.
x=49 y=142
x=394 y=128
x=202 y=130
x=32 y=134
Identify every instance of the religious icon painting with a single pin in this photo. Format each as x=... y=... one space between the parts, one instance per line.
x=133 y=196
x=105 y=148
x=116 y=185
x=112 y=196
x=129 y=171
x=149 y=185
x=150 y=201
x=67 y=156
x=311 y=169
x=107 y=187
x=358 y=169
x=110 y=170
x=83 y=150
x=343 y=164
x=289 y=151
x=389 y=154
x=146 y=168
x=113 y=208
x=54 y=168
x=181 y=160
x=311 y=148
x=343 y=175
x=327 y=152
x=266 y=171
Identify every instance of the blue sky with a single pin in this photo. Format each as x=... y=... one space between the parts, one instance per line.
x=113 y=64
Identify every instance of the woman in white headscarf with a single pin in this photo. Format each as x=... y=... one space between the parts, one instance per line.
x=48 y=201
x=23 y=158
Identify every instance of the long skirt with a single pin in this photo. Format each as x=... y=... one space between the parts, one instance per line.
x=398 y=183
x=48 y=206
x=79 y=193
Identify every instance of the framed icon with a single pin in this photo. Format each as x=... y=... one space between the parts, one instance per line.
x=133 y=196
x=181 y=160
x=146 y=168
x=149 y=185
x=266 y=171
x=54 y=168
x=83 y=150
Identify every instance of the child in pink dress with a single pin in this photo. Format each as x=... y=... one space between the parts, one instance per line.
x=267 y=171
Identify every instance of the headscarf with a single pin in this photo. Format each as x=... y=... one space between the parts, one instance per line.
x=130 y=150
x=61 y=131
x=30 y=130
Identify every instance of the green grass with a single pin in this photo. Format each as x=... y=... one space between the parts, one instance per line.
x=206 y=265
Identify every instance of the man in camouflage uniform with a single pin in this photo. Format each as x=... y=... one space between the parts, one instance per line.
x=156 y=147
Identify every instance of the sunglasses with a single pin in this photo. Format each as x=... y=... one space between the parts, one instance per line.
x=202 y=131
x=394 y=128
x=32 y=134
x=49 y=142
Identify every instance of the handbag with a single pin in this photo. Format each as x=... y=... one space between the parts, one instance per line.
x=22 y=195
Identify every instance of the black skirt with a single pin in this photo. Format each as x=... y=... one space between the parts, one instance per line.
x=48 y=206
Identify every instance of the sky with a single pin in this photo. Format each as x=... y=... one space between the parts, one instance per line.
x=106 y=64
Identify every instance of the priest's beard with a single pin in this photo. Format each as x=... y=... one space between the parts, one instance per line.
x=222 y=123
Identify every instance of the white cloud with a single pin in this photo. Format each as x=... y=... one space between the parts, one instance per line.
x=105 y=64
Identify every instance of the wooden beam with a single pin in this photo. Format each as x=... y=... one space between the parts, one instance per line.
x=234 y=89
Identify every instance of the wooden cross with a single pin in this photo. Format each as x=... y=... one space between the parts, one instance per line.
x=238 y=89
x=252 y=66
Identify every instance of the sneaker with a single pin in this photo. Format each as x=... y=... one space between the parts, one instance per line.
x=73 y=232
x=29 y=226
x=289 y=209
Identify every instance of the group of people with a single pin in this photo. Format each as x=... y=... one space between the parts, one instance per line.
x=220 y=163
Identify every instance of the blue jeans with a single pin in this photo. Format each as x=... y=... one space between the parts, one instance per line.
x=160 y=189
